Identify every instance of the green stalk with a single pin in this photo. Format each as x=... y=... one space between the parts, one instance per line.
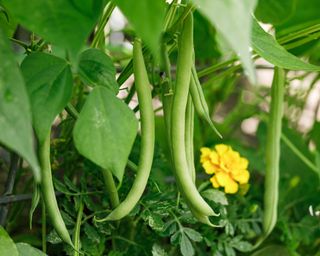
x=77 y=229
x=111 y=188
x=102 y=23
x=43 y=227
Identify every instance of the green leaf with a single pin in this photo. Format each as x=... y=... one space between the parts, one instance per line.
x=193 y=235
x=269 y=49
x=147 y=18
x=306 y=14
x=27 y=250
x=232 y=18
x=274 y=250
x=105 y=131
x=7 y=23
x=186 y=247
x=96 y=68
x=157 y=250
x=215 y=196
x=275 y=11
x=15 y=116
x=66 y=23
x=7 y=246
x=49 y=85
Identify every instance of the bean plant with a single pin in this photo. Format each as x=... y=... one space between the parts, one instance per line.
x=193 y=136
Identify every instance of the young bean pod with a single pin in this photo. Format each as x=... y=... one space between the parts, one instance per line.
x=190 y=157
x=179 y=102
x=273 y=152
x=147 y=136
x=199 y=100
x=189 y=129
x=48 y=194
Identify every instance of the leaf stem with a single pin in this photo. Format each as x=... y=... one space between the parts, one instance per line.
x=76 y=240
x=300 y=155
x=111 y=188
x=102 y=23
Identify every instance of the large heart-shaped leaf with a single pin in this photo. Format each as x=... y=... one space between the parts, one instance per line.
x=7 y=246
x=27 y=250
x=96 y=68
x=269 y=49
x=232 y=18
x=15 y=116
x=105 y=131
x=66 y=23
x=49 y=85
x=147 y=19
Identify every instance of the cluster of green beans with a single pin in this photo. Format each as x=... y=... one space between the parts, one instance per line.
x=180 y=134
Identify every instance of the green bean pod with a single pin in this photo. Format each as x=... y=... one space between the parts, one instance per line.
x=147 y=136
x=179 y=102
x=273 y=152
x=48 y=194
x=189 y=129
x=199 y=100
x=190 y=157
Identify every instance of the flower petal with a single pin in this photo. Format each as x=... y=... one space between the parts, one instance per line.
x=231 y=187
x=209 y=167
x=205 y=154
x=222 y=178
x=242 y=176
x=214 y=157
x=243 y=163
x=221 y=148
x=214 y=182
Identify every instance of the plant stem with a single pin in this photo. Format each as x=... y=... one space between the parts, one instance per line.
x=301 y=33
x=77 y=229
x=300 y=155
x=111 y=188
x=102 y=23
x=43 y=226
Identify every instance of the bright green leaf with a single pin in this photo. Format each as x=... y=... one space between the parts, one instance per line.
x=232 y=18
x=66 y=23
x=186 y=247
x=147 y=18
x=7 y=23
x=275 y=11
x=269 y=49
x=49 y=85
x=274 y=250
x=15 y=116
x=193 y=235
x=96 y=68
x=105 y=131
x=27 y=250
x=215 y=196
x=7 y=246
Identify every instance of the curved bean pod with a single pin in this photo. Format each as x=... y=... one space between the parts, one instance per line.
x=199 y=100
x=48 y=194
x=147 y=136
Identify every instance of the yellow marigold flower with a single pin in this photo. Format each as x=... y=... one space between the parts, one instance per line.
x=229 y=169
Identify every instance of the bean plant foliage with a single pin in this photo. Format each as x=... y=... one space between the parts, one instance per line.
x=195 y=134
